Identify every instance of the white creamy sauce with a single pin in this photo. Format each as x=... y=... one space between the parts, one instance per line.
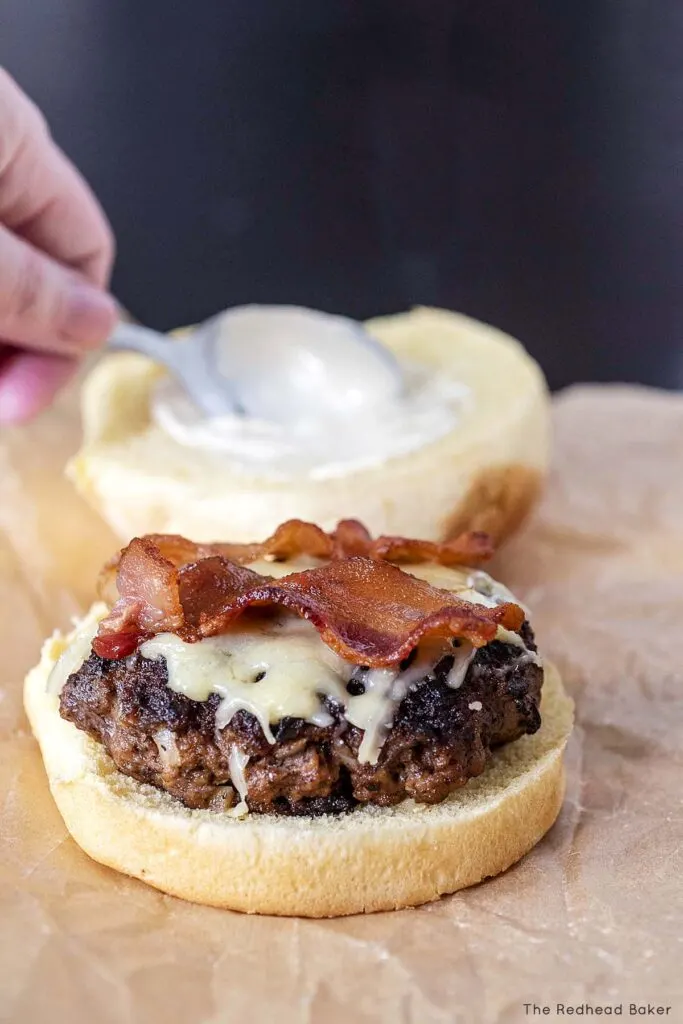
x=333 y=437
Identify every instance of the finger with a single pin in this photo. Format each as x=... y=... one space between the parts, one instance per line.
x=43 y=197
x=29 y=382
x=45 y=306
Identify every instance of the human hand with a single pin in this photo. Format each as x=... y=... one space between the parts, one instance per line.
x=56 y=252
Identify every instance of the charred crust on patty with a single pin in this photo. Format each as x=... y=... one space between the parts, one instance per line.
x=441 y=736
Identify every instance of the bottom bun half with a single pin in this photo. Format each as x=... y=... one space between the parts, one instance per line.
x=367 y=860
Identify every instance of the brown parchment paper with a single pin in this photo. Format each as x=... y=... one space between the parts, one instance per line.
x=593 y=914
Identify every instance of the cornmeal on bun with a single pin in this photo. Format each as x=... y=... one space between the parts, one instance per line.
x=317 y=725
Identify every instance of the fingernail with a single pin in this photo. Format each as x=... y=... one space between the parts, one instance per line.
x=28 y=382
x=89 y=315
x=11 y=408
x=13 y=400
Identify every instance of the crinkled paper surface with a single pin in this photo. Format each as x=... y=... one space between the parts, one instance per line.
x=593 y=914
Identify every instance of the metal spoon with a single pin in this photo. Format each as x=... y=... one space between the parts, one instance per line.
x=280 y=363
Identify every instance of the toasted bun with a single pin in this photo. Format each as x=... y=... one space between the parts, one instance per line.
x=484 y=475
x=370 y=859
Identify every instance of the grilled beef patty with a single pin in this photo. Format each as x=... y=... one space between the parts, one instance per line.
x=440 y=738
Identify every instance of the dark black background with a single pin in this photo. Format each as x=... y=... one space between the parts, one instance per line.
x=519 y=161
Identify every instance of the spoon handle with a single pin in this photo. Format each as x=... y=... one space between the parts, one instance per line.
x=186 y=359
x=134 y=338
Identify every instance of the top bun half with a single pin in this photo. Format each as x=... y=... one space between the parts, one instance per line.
x=484 y=475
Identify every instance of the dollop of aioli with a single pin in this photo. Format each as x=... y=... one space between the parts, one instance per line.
x=352 y=420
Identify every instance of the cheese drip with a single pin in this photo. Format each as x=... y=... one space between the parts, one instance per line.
x=506 y=636
x=280 y=668
x=273 y=668
x=75 y=653
x=479 y=588
x=237 y=762
x=374 y=710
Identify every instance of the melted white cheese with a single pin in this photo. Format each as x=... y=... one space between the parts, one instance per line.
x=279 y=667
x=237 y=762
x=374 y=710
x=486 y=586
x=271 y=567
x=272 y=668
x=75 y=653
x=440 y=575
x=166 y=744
x=506 y=636
x=463 y=656
x=476 y=587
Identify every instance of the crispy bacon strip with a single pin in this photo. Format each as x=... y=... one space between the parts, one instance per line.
x=149 y=600
x=463 y=550
x=296 y=537
x=210 y=586
x=148 y=578
x=292 y=538
x=171 y=547
x=366 y=610
x=114 y=646
x=120 y=633
x=369 y=612
x=350 y=538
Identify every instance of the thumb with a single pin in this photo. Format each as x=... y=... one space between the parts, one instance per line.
x=46 y=306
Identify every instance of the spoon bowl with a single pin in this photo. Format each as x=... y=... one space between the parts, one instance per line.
x=283 y=364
